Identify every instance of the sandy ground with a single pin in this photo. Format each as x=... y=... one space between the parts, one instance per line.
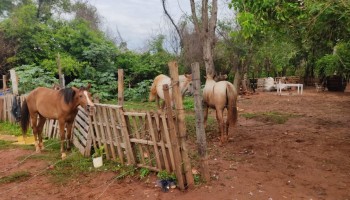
x=305 y=158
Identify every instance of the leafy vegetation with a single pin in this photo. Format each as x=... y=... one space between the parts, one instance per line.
x=164 y=175
x=144 y=172
x=99 y=152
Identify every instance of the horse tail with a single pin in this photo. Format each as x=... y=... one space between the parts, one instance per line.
x=24 y=117
x=232 y=115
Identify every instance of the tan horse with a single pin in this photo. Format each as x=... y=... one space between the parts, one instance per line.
x=156 y=92
x=220 y=95
x=61 y=105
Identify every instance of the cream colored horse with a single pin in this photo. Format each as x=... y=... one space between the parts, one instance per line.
x=156 y=92
x=220 y=95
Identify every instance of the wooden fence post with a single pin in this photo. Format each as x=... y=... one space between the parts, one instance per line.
x=200 y=131
x=60 y=74
x=176 y=94
x=173 y=138
x=120 y=87
x=14 y=80
x=4 y=83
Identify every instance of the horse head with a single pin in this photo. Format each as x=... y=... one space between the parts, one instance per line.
x=84 y=98
x=185 y=83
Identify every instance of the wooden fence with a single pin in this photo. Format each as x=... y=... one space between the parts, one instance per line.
x=134 y=138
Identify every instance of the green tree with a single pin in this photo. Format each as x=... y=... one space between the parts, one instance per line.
x=314 y=27
x=31 y=77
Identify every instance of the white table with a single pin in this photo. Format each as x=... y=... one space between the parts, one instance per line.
x=280 y=86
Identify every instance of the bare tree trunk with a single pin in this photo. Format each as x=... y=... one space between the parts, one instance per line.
x=206 y=31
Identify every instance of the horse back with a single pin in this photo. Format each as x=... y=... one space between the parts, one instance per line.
x=215 y=94
x=158 y=83
x=45 y=101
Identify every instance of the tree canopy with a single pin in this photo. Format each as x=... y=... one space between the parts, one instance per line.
x=307 y=38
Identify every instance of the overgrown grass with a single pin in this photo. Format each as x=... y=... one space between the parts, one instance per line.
x=191 y=125
x=15 y=177
x=270 y=117
x=145 y=106
x=7 y=128
x=5 y=145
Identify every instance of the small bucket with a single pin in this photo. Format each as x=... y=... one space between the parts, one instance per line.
x=97 y=162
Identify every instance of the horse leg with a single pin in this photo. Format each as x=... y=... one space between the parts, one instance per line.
x=227 y=127
x=34 y=119
x=220 y=119
x=205 y=115
x=63 y=137
x=42 y=121
x=157 y=100
x=69 y=135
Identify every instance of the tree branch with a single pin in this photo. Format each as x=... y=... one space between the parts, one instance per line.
x=195 y=19
x=172 y=21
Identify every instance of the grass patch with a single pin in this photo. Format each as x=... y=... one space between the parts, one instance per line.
x=73 y=166
x=270 y=117
x=188 y=103
x=15 y=177
x=190 y=120
x=7 y=128
x=5 y=145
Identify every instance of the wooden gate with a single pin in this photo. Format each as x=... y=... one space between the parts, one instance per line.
x=133 y=138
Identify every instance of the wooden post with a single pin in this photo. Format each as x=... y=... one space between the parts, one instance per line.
x=173 y=138
x=200 y=131
x=60 y=75
x=120 y=87
x=14 y=82
x=4 y=83
x=176 y=94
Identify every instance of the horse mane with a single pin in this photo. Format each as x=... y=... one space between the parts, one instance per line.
x=68 y=94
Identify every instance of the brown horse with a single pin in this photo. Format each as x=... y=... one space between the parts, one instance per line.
x=220 y=95
x=157 y=86
x=61 y=105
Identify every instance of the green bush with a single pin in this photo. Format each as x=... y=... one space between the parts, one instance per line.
x=138 y=93
x=32 y=76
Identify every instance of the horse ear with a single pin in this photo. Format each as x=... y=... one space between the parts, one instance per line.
x=88 y=87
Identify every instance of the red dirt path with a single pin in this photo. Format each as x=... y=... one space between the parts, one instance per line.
x=305 y=158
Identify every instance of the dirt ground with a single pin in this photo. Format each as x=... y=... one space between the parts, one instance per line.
x=307 y=157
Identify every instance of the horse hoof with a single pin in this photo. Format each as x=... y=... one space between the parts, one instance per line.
x=64 y=156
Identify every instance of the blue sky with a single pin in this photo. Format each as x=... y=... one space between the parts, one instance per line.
x=139 y=20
